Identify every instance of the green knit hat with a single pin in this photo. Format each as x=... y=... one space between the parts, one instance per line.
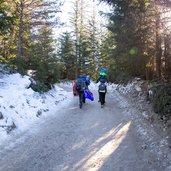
x=103 y=74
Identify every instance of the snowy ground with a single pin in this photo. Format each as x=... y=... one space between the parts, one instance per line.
x=151 y=130
x=21 y=107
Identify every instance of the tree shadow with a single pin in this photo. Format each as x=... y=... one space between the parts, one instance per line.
x=95 y=151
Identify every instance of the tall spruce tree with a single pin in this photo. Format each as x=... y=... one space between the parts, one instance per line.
x=131 y=35
x=67 y=56
x=44 y=59
x=85 y=34
x=30 y=16
x=79 y=24
x=7 y=21
x=6 y=18
x=93 y=32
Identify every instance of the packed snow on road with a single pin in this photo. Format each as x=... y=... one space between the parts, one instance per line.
x=22 y=110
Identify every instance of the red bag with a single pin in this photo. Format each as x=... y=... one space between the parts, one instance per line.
x=75 y=92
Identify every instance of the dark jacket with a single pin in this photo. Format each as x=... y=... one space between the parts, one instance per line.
x=102 y=79
x=80 y=85
x=85 y=79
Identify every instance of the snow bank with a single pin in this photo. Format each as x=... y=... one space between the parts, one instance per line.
x=20 y=106
x=132 y=86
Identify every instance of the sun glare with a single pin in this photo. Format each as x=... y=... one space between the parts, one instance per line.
x=97 y=157
x=166 y=19
x=105 y=151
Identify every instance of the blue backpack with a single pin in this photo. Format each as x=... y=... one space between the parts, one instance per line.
x=85 y=79
x=80 y=85
x=102 y=88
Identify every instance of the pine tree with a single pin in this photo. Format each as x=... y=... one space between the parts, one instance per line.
x=132 y=36
x=44 y=59
x=6 y=19
x=83 y=22
x=24 y=18
x=67 y=55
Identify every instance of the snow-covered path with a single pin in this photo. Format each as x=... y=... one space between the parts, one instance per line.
x=90 y=139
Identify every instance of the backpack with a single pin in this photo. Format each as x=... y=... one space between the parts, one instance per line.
x=80 y=85
x=102 y=88
x=87 y=81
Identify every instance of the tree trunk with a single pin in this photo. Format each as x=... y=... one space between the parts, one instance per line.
x=167 y=56
x=158 y=48
x=76 y=42
x=20 y=37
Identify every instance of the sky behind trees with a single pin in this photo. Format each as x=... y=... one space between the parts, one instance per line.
x=67 y=9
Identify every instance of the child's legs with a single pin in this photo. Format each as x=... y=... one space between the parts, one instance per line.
x=102 y=97
x=81 y=98
x=84 y=99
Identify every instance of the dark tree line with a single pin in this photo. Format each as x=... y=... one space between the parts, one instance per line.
x=141 y=31
x=26 y=37
x=135 y=44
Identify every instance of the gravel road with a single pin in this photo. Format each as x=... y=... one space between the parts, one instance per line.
x=90 y=139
